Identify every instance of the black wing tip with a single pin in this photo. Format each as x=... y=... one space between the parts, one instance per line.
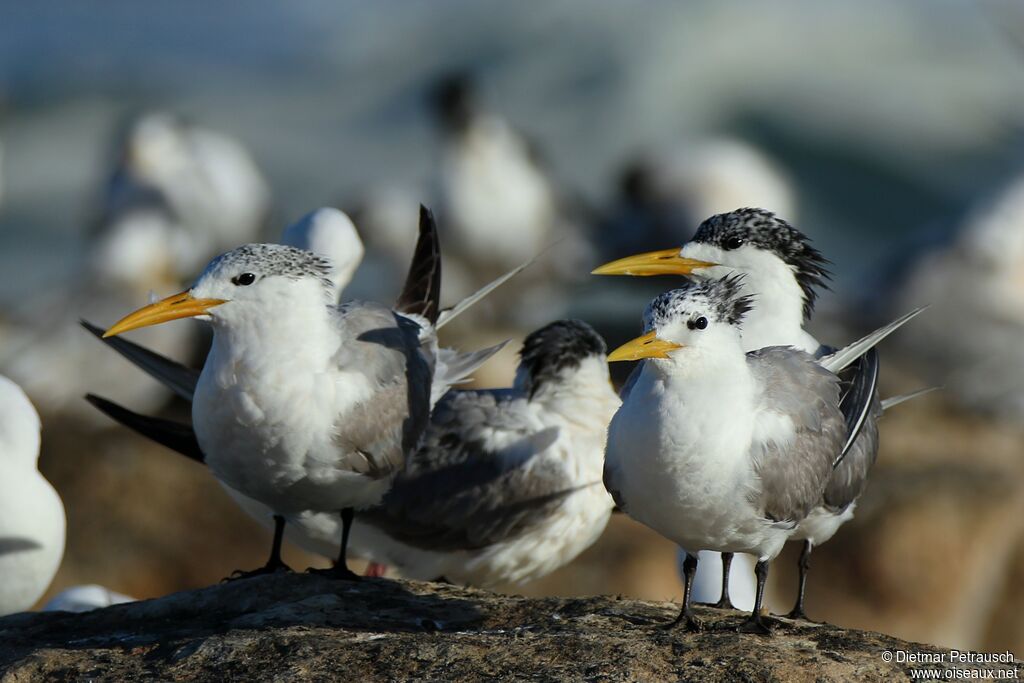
x=97 y=331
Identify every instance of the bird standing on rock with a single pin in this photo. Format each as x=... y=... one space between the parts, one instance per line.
x=302 y=404
x=719 y=449
x=783 y=273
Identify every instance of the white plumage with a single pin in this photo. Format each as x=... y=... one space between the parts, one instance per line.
x=32 y=521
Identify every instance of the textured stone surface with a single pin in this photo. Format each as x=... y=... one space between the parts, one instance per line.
x=304 y=627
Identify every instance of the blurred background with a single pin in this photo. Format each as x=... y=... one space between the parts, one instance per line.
x=137 y=140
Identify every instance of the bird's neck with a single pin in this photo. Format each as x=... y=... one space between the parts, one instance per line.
x=777 y=316
x=583 y=395
x=298 y=333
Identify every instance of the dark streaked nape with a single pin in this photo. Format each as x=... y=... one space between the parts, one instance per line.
x=767 y=231
x=561 y=345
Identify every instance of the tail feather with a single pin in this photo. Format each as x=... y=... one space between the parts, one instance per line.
x=174 y=435
x=449 y=314
x=894 y=401
x=454 y=367
x=422 y=292
x=835 y=362
x=178 y=378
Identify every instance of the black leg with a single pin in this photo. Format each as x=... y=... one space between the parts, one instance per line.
x=340 y=569
x=755 y=623
x=274 y=563
x=686 y=618
x=724 y=602
x=804 y=564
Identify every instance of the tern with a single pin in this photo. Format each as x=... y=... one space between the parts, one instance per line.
x=32 y=524
x=783 y=272
x=506 y=487
x=302 y=404
x=503 y=205
x=206 y=179
x=721 y=449
x=317 y=229
x=978 y=278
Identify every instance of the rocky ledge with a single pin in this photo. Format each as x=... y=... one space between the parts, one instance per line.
x=304 y=627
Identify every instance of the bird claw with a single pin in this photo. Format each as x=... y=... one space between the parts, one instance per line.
x=687 y=624
x=269 y=568
x=723 y=603
x=798 y=614
x=754 y=624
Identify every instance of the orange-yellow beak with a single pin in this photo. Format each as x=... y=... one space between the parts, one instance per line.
x=180 y=305
x=664 y=262
x=647 y=346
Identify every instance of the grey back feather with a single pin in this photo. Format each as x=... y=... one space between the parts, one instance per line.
x=460 y=492
x=381 y=432
x=794 y=474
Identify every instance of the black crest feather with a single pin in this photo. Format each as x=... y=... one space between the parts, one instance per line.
x=767 y=231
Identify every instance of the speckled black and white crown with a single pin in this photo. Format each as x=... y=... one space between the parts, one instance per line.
x=765 y=230
x=718 y=300
x=266 y=260
x=556 y=347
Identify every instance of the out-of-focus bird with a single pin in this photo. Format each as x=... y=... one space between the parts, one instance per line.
x=178 y=195
x=32 y=521
x=782 y=272
x=978 y=280
x=85 y=598
x=721 y=449
x=206 y=179
x=502 y=205
x=331 y=233
x=662 y=195
x=506 y=486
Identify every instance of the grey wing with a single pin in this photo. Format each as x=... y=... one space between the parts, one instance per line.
x=378 y=434
x=794 y=465
x=478 y=480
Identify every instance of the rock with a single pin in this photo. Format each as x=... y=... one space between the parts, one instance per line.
x=304 y=627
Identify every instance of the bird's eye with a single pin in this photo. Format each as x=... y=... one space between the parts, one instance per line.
x=733 y=243
x=698 y=324
x=244 y=279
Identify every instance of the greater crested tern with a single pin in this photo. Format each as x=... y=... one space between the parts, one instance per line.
x=506 y=486
x=451 y=367
x=783 y=272
x=32 y=524
x=721 y=449
x=302 y=404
